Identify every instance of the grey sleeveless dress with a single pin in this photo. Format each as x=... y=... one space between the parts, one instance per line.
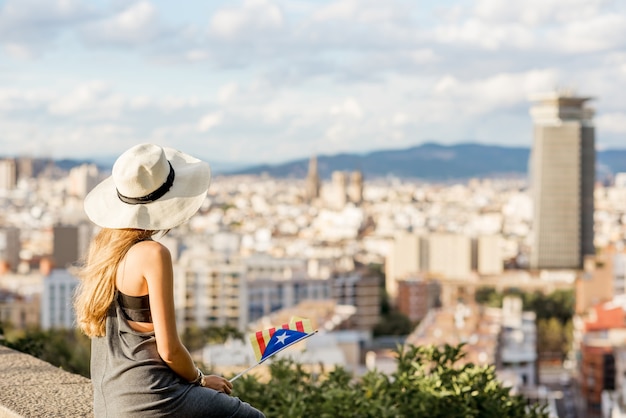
x=131 y=380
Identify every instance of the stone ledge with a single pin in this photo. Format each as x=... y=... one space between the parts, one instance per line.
x=30 y=387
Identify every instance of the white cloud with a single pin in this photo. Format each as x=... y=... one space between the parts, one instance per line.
x=139 y=102
x=612 y=122
x=350 y=108
x=16 y=15
x=19 y=50
x=27 y=26
x=496 y=91
x=171 y=104
x=65 y=140
x=592 y=34
x=363 y=11
x=227 y=92
x=280 y=79
x=400 y=119
x=559 y=26
x=197 y=55
x=210 y=121
x=536 y=12
x=82 y=99
x=424 y=55
x=13 y=99
x=137 y=24
x=252 y=17
x=447 y=83
x=485 y=35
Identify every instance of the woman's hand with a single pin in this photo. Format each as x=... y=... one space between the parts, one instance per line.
x=217 y=383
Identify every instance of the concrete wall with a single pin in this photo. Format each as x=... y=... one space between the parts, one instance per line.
x=30 y=387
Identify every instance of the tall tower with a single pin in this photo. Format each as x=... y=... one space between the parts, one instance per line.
x=339 y=190
x=355 y=189
x=312 y=181
x=562 y=173
x=8 y=174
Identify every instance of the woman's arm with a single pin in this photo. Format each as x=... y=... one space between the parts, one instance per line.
x=160 y=279
x=159 y=276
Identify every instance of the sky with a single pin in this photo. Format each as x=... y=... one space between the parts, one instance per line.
x=267 y=81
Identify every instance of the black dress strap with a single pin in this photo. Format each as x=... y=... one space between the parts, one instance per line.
x=135 y=308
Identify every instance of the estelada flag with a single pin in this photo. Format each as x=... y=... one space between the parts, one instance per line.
x=272 y=340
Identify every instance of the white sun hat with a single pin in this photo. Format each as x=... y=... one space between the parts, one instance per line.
x=150 y=187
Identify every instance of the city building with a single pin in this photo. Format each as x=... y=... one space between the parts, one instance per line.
x=620 y=180
x=10 y=248
x=57 y=309
x=361 y=291
x=331 y=346
x=504 y=337
x=209 y=289
x=19 y=311
x=355 y=188
x=518 y=342
x=25 y=168
x=275 y=283
x=403 y=259
x=417 y=296
x=312 y=186
x=82 y=179
x=336 y=194
x=477 y=326
x=70 y=243
x=601 y=353
x=449 y=255
x=601 y=279
x=488 y=252
x=8 y=174
x=269 y=295
x=562 y=176
x=452 y=258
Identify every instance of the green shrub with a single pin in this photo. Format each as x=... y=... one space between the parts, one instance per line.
x=428 y=382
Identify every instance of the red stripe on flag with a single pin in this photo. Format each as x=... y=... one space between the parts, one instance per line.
x=261 y=341
x=300 y=326
x=285 y=326
x=272 y=331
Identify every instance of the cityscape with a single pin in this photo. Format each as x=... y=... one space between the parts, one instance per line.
x=337 y=250
x=437 y=188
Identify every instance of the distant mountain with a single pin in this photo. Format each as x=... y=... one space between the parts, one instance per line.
x=431 y=161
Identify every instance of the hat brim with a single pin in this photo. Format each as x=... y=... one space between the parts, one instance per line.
x=181 y=202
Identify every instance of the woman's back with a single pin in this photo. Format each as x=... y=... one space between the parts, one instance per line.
x=125 y=301
x=129 y=376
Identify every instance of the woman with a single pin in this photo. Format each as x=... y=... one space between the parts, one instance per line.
x=125 y=301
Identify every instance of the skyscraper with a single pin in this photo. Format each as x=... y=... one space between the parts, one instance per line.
x=355 y=188
x=8 y=174
x=562 y=173
x=312 y=181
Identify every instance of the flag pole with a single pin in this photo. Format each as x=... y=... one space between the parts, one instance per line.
x=304 y=337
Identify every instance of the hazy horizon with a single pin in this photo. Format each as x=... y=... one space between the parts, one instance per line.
x=267 y=81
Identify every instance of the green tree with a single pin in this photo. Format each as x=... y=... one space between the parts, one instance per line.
x=554 y=312
x=553 y=338
x=67 y=349
x=488 y=296
x=195 y=338
x=558 y=304
x=393 y=323
x=428 y=382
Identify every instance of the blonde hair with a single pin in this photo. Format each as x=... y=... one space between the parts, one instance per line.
x=96 y=289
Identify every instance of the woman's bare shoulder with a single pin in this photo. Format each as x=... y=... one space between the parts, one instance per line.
x=149 y=250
